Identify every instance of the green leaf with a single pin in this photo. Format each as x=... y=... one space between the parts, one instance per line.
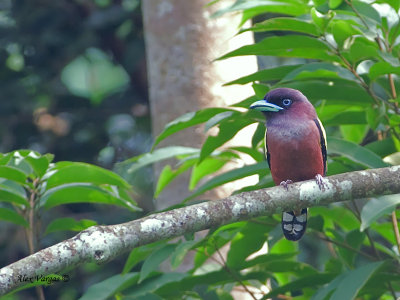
x=367 y=10
x=335 y=91
x=180 y=252
x=354 y=133
x=320 y=20
x=29 y=162
x=74 y=172
x=258 y=136
x=158 y=155
x=82 y=193
x=265 y=75
x=227 y=130
x=218 y=118
x=154 y=260
x=287 y=46
x=249 y=240
x=310 y=281
x=362 y=49
x=204 y=168
x=107 y=288
x=375 y=114
x=39 y=164
x=260 y=90
x=256 y=7
x=137 y=255
x=69 y=224
x=318 y=70
x=355 y=152
x=334 y=3
x=284 y=24
x=354 y=239
x=252 y=152
x=8 y=196
x=342 y=30
x=153 y=284
x=382 y=68
x=347 y=117
x=376 y=208
x=383 y=147
x=13 y=217
x=12 y=173
x=188 y=120
x=353 y=281
x=260 y=168
x=167 y=175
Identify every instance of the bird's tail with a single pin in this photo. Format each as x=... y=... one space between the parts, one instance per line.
x=294 y=224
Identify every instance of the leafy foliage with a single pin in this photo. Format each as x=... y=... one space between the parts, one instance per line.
x=32 y=184
x=343 y=55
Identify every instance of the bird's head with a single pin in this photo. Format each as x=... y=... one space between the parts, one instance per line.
x=284 y=101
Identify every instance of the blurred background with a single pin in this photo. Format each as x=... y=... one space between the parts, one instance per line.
x=73 y=83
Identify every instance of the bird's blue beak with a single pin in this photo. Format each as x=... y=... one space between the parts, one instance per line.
x=263 y=105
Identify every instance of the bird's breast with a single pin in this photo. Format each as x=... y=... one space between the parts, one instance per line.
x=295 y=151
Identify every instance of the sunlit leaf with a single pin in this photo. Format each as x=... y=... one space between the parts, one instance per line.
x=258 y=168
x=82 y=193
x=257 y=7
x=287 y=46
x=227 y=130
x=158 y=155
x=8 y=196
x=188 y=120
x=285 y=24
x=67 y=172
x=12 y=173
x=381 y=68
x=168 y=174
x=204 y=168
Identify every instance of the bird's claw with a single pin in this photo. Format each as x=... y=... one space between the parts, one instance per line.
x=321 y=182
x=286 y=183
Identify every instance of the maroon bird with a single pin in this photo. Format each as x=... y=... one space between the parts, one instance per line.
x=295 y=146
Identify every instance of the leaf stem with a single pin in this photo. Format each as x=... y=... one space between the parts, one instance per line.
x=227 y=269
x=396 y=229
x=344 y=245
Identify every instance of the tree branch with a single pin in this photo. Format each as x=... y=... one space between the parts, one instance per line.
x=103 y=243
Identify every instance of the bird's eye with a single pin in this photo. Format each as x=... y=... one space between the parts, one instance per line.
x=286 y=102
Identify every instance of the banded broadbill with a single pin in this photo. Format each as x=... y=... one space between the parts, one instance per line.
x=295 y=145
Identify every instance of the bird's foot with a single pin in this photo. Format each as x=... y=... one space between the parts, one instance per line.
x=286 y=183
x=321 y=182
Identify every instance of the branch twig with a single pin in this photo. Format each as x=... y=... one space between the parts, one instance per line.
x=103 y=243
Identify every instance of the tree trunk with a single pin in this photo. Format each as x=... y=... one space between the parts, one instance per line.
x=181 y=43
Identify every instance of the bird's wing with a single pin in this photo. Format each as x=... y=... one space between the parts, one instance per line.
x=266 y=150
x=322 y=142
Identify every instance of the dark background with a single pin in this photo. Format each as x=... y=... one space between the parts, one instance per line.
x=73 y=83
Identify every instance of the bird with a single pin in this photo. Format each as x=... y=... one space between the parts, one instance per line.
x=295 y=147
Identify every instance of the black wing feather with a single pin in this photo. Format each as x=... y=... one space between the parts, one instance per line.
x=266 y=150
x=322 y=142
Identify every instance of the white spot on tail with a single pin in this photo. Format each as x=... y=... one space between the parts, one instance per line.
x=287 y=217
